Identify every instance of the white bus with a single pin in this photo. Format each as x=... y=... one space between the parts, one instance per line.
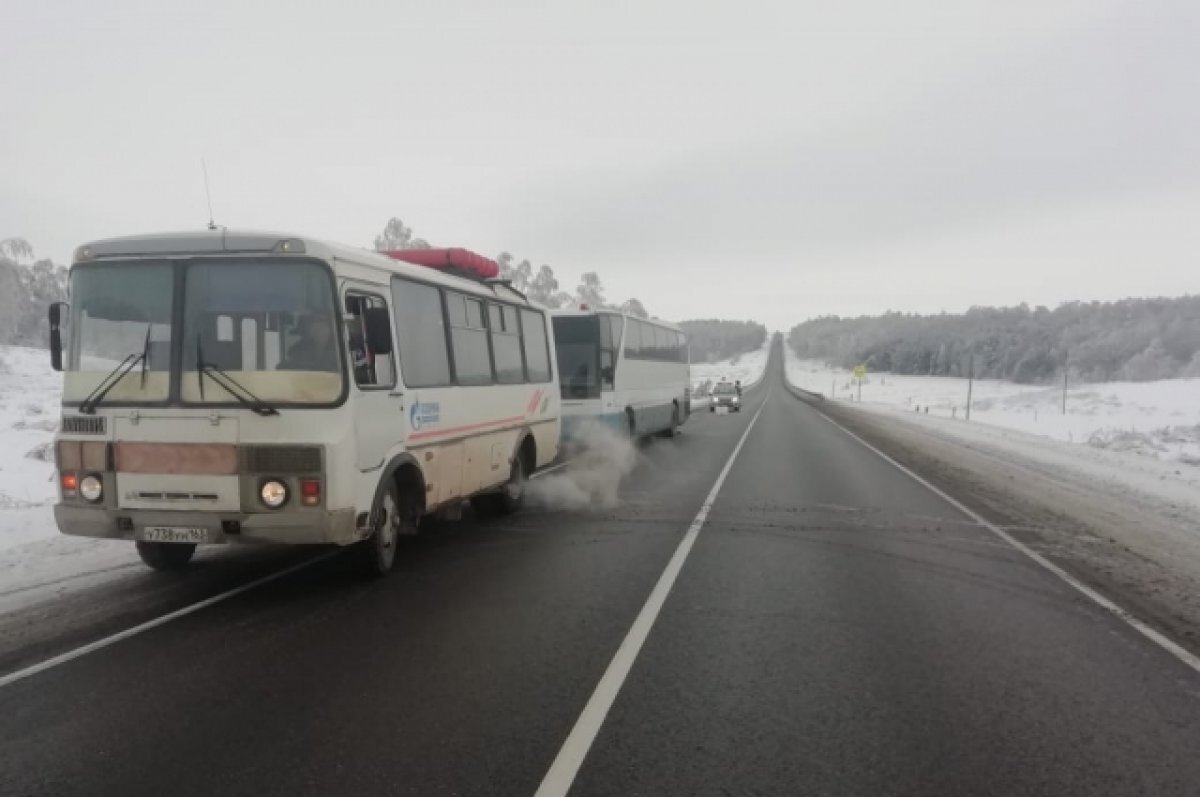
x=627 y=373
x=234 y=386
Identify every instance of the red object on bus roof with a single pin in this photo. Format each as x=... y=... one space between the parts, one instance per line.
x=454 y=259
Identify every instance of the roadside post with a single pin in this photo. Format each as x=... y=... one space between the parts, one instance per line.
x=860 y=373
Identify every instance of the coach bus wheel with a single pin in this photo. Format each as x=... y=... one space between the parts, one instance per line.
x=673 y=429
x=393 y=517
x=510 y=498
x=166 y=555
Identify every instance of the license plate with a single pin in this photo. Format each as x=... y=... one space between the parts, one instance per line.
x=173 y=534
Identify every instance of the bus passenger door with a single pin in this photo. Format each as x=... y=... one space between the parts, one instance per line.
x=378 y=402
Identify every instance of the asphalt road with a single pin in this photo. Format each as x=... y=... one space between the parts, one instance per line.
x=836 y=628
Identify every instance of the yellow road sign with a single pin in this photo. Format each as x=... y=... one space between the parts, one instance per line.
x=860 y=371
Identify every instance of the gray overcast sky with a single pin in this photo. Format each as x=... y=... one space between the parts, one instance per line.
x=773 y=161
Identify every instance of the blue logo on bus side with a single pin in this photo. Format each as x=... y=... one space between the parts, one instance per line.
x=424 y=414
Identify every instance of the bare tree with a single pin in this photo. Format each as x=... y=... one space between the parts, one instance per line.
x=397 y=235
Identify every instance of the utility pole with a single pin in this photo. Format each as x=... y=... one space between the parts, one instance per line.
x=833 y=387
x=970 y=384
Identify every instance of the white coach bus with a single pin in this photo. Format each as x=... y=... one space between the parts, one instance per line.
x=627 y=373
x=232 y=386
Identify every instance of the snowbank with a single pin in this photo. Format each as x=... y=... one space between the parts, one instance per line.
x=36 y=562
x=29 y=412
x=1160 y=419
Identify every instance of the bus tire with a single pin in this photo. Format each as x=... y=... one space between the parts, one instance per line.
x=166 y=556
x=393 y=517
x=509 y=498
x=673 y=429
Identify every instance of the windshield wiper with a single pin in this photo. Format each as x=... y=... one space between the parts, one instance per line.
x=229 y=385
x=88 y=405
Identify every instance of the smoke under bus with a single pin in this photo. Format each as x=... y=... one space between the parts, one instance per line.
x=224 y=387
x=628 y=374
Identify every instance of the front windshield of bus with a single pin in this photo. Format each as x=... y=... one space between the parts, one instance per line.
x=270 y=325
x=114 y=307
x=577 y=342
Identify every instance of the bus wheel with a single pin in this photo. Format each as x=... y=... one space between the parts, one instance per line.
x=166 y=555
x=390 y=519
x=510 y=498
x=673 y=429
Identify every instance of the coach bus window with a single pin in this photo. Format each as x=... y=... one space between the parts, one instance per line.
x=633 y=340
x=506 y=344
x=666 y=344
x=421 y=333
x=537 y=352
x=609 y=339
x=469 y=340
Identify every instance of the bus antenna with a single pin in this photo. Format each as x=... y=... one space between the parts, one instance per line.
x=212 y=225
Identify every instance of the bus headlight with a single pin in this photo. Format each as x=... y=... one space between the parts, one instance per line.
x=273 y=493
x=91 y=488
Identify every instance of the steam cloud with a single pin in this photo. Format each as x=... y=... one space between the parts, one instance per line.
x=593 y=477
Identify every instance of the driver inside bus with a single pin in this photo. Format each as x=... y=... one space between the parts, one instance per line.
x=316 y=350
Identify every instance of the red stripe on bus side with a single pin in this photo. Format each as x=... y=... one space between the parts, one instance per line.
x=532 y=405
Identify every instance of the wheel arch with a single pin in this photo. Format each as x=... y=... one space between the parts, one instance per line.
x=403 y=470
x=526 y=448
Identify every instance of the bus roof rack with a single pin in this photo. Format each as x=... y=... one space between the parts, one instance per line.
x=456 y=261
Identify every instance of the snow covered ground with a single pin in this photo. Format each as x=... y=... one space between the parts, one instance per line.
x=35 y=560
x=748 y=368
x=1160 y=420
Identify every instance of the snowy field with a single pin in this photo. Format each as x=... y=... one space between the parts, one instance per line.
x=1160 y=420
x=36 y=561
x=748 y=368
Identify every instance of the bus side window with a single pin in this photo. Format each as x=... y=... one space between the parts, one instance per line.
x=371 y=369
x=666 y=344
x=469 y=340
x=608 y=360
x=536 y=345
x=506 y=345
x=421 y=333
x=633 y=340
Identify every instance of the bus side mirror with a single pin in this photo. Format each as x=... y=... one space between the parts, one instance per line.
x=56 y=352
x=379 y=330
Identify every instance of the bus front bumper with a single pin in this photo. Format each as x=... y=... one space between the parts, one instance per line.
x=311 y=527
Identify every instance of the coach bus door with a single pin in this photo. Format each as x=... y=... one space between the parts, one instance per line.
x=378 y=402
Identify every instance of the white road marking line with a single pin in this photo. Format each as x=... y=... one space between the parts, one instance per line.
x=1118 y=611
x=92 y=647
x=563 y=771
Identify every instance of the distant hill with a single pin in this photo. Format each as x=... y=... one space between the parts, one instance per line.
x=714 y=339
x=1131 y=339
